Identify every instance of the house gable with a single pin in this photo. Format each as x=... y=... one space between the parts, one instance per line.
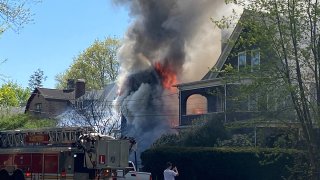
x=48 y=103
x=218 y=92
x=243 y=48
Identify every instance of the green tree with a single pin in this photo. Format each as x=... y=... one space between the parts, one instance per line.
x=37 y=79
x=97 y=65
x=11 y=94
x=290 y=31
x=8 y=96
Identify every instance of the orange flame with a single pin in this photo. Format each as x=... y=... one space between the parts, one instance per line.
x=168 y=77
x=198 y=111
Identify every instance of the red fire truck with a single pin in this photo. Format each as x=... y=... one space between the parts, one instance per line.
x=61 y=154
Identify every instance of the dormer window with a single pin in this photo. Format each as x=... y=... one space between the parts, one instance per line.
x=242 y=60
x=255 y=60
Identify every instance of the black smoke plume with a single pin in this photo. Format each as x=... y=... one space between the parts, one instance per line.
x=172 y=33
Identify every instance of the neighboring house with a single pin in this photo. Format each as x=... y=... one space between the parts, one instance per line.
x=49 y=103
x=216 y=97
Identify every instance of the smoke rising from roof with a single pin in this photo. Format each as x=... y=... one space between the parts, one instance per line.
x=180 y=36
x=178 y=33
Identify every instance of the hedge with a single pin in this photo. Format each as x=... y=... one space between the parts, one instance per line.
x=220 y=163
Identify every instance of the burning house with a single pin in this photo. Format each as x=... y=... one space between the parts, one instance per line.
x=169 y=42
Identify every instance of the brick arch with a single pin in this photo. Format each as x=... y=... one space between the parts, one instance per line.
x=208 y=93
x=184 y=96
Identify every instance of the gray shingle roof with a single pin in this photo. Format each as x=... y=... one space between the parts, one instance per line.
x=56 y=94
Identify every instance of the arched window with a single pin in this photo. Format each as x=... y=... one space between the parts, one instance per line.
x=197 y=104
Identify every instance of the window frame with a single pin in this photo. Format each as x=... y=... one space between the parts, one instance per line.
x=245 y=59
x=259 y=59
x=38 y=107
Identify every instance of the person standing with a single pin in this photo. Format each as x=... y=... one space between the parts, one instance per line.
x=170 y=172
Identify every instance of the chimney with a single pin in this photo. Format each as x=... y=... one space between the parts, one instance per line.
x=70 y=84
x=80 y=88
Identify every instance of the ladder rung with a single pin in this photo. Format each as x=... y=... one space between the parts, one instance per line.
x=56 y=136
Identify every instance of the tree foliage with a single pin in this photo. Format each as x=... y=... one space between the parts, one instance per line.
x=37 y=79
x=97 y=65
x=14 y=14
x=13 y=95
x=288 y=33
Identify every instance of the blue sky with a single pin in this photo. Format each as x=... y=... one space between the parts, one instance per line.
x=60 y=30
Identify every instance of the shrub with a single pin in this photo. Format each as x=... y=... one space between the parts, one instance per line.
x=206 y=134
x=23 y=121
x=237 y=140
x=167 y=140
x=220 y=163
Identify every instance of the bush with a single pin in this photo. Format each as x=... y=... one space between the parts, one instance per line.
x=167 y=140
x=237 y=140
x=8 y=122
x=220 y=163
x=23 y=121
x=206 y=134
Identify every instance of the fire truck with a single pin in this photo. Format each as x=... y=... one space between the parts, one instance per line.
x=61 y=154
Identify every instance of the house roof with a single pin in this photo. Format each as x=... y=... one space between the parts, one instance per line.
x=56 y=94
x=64 y=95
x=201 y=84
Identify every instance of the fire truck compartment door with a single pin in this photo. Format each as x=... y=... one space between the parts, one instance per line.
x=113 y=153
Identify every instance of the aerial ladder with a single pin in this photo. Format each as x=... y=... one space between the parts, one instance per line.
x=45 y=136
